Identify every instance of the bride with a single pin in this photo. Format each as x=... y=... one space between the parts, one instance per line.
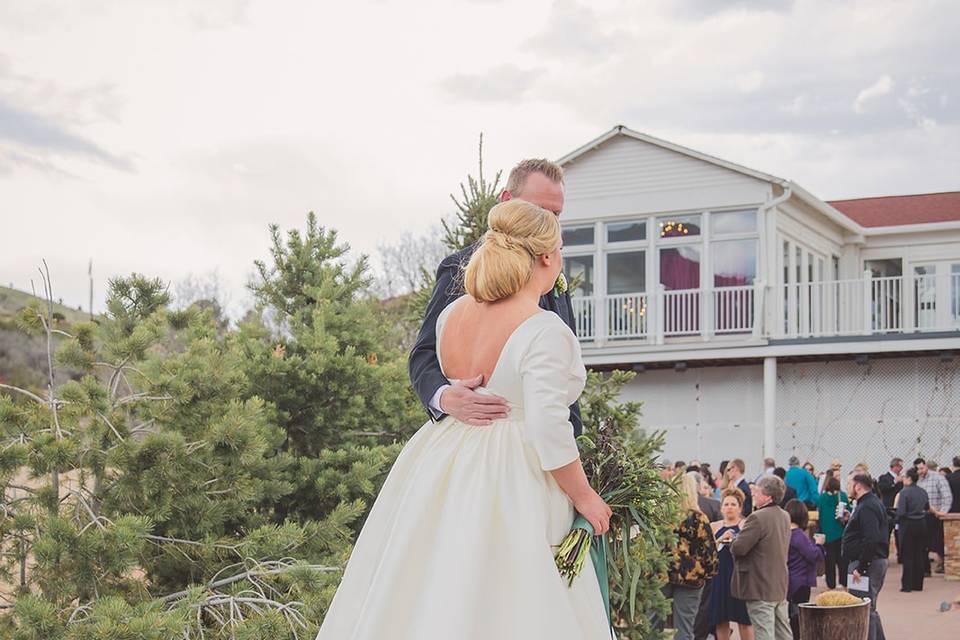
x=459 y=541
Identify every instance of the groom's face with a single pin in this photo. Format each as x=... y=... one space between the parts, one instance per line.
x=541 y=191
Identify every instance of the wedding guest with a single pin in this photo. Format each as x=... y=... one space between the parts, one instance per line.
x=708 y=477
x=945 y=472
x=954 y=481
x=724 y=608
x=836 y=467
x=802 y=560
x=666 y=469
x=862 y=468
x=760 y=562
x=802 y=482
x=709 y=506
x=769 y=464
x=788 y=494
x=831 y=526
x=695 y=561
x=735 y=470
x=722 y=479
x=891 y=482
x=941 y=499
x=889 y=485
x=866 y=545
x=912 y=507
x=809 y=467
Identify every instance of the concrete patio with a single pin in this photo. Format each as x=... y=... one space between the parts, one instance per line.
x=915 y=616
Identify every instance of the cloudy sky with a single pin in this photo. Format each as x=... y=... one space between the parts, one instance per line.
x=163 y=136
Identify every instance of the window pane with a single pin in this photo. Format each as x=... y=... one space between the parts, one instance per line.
x=734 y=263
x=679 y=226
x=680 y=268
x=733 y=221
x=885 y=268
x=573 y=236
x=626 y=272
x=627 y=231
x=955 y=293
x=579 y=272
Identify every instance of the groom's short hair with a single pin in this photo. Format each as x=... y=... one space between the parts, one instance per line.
x=518 y=175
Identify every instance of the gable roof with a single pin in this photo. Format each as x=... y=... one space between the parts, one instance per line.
x=889 y=211
x=859 y=215
x=621 y=130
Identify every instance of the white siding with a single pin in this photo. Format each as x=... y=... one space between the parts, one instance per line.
x=859 y=413
x=628 y=176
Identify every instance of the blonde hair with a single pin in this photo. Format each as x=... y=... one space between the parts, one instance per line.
x=519 y=231
x=689 y=492
x=518 y=175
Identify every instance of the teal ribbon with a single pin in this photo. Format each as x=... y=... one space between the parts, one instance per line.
x=598 y=554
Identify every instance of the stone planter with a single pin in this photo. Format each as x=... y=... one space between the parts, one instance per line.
x=850 y=622
x=951 y=546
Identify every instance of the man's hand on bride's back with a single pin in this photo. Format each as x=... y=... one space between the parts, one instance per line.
x=466 y=405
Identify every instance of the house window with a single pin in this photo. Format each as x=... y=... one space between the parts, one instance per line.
x=626 y=272
x=734 y=262
x=955 y=294
x=680 y=267
x=578 y=236
x=626 y=231
x=725 y=222
x=681 y=226
x=579 y=273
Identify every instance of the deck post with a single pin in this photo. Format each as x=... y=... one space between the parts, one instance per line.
x=867 y=302
x=769 y=407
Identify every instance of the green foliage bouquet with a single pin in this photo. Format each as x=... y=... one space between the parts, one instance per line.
x=619 y=460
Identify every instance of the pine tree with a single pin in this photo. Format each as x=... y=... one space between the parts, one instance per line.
x=636 y=603
x=466 y=226
x=473 y=206
x=193 y=483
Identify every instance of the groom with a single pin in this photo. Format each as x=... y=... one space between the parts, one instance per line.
x=538 y=181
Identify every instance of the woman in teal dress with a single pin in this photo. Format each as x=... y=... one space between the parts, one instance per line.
x=832 y=527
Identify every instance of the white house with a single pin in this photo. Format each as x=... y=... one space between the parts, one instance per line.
x=761 y=319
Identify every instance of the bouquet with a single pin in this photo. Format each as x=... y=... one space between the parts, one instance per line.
x=626 y=478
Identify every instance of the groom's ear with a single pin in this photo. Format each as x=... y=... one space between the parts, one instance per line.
x=505 y=195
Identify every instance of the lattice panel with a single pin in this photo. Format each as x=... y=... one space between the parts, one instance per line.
x=869 y=413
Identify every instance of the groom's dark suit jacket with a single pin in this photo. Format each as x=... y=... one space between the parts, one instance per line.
x=425 y=373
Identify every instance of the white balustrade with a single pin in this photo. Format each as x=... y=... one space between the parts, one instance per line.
x=864 y=306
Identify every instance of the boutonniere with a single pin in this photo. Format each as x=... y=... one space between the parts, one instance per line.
x=560 y=287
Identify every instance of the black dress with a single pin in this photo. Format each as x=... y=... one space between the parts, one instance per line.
x=723 y=606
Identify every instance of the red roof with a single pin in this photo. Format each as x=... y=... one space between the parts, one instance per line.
x=895 y=210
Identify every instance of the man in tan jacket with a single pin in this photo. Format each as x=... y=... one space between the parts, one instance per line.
x=760 y=562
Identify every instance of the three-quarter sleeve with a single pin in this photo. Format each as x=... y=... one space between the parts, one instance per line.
x=545 y=371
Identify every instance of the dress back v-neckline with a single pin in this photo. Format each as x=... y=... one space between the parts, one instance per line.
x=441 y=323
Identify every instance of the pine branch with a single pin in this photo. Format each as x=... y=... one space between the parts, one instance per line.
x=247 y=575
x=24 y=392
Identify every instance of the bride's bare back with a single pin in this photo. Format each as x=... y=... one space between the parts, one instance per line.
x=474 y=335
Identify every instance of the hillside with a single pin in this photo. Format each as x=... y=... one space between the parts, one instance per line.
x=12 y=300
x=23 y=359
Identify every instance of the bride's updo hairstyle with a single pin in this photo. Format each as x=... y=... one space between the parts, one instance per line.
x=519 y=231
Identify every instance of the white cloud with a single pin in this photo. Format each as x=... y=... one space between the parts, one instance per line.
x=241 y=113
x=881 y=87
x=750 y=82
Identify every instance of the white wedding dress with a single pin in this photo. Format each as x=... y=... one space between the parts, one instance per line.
x=458 y=543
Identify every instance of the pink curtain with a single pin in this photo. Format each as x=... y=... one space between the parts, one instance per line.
x=678 y=271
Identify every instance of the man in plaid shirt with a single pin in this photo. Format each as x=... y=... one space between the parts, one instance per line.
x=941 y=498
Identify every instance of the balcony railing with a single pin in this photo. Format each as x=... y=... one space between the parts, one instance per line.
x=867 y=306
